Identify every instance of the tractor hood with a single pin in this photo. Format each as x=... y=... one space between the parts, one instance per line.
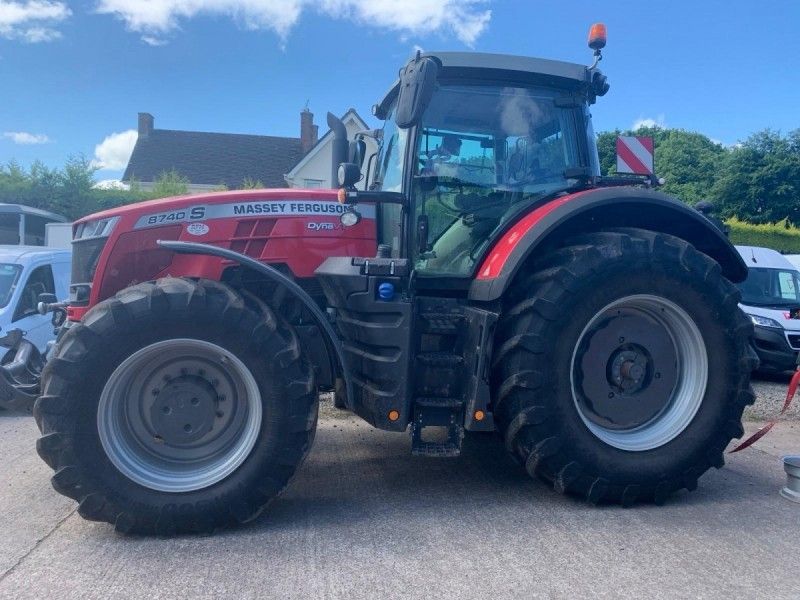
x=188 y=201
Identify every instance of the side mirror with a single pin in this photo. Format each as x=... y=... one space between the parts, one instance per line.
x=349 y=175
x=417 y=81
x=356 y=152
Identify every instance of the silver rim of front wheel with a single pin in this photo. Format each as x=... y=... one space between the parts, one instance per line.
x=639 y=372
x=179 y=415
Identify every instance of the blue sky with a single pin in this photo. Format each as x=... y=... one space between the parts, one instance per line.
x=75 y=72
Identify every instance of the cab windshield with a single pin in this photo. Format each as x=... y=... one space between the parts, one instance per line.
x=482 y=153
x=775 y=288
x=9 y=275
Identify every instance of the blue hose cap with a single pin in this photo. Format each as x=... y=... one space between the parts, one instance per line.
x=386 y=291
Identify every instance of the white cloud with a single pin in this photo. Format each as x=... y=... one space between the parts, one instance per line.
x=32 y=21
x=111 y=184
x=114 y=152
x=466 y=19
x=152 y=40
x=26 y=139
x=659 y=121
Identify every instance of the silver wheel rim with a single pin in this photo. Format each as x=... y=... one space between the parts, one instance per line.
x=691 y=375
x=179 y=415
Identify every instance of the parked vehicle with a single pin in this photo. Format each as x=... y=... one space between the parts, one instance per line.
x=591 y=321
x=794 y=259
x=27 y=275
x=771 y=298
x=58 y=235
x=22 y=225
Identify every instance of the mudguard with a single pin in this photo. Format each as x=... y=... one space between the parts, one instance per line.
x=592 y=210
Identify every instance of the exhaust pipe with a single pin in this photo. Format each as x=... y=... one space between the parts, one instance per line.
x=340 y=146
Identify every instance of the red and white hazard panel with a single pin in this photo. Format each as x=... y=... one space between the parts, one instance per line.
x=635 y=155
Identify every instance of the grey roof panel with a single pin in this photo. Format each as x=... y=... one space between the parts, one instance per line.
x=214 y=158
x=510 y=63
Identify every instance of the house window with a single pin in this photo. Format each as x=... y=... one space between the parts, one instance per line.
x=313 y=183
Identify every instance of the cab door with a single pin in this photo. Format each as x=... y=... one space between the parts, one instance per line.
x=38 y=328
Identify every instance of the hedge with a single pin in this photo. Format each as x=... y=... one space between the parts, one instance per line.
x=779 y=236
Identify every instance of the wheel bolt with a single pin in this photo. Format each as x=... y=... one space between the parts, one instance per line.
x=187 y=428
x=610 y=394
x=166 y=410
x=222 y=398
x=195 y=401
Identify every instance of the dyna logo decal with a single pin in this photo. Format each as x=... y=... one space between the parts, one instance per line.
x=321 y=226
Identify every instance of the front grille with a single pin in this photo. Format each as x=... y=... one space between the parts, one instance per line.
x=794 y=340
x=85 y=254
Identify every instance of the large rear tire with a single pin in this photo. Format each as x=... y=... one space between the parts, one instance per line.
x=622 y=367
x=176 y=406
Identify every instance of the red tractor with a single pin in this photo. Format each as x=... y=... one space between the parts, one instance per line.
x=486 y=279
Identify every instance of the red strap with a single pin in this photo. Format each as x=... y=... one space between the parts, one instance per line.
x=763 y=431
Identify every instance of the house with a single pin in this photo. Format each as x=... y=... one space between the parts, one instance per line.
x=313 y=170
x=212 y=161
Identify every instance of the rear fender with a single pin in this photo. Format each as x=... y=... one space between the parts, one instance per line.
x=546 y=226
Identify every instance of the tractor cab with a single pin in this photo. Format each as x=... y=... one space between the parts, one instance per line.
x=469 y=142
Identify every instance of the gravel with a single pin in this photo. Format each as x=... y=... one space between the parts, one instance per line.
x=770 y=395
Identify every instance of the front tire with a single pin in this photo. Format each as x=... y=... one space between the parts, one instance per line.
x=622 y=367
x=176 y=406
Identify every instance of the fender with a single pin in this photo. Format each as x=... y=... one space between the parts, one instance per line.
x=328 y=333
x=595 y=209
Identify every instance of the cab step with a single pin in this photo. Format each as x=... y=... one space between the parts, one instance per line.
x=442 y=416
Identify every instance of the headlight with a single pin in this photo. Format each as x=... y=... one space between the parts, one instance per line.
x=765 y=321
x=95 y=229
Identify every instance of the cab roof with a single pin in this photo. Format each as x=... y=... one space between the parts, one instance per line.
x=27 y=254
x=503 y=67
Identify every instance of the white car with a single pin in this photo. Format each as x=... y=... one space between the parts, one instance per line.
x=25 y=273
x=771 y=298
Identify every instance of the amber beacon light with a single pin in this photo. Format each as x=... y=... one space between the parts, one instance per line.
x=597 y=36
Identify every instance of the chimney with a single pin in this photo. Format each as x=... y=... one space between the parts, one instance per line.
x=146 y=124
x=308 y=131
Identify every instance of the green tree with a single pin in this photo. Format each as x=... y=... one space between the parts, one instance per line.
x=688 y=161
x=251 y=184
x=760 y=179
x=170 y=183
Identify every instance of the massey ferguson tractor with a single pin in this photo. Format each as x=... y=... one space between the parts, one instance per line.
x=486 y=278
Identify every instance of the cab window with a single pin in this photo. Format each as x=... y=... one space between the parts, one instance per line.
x=40 y=281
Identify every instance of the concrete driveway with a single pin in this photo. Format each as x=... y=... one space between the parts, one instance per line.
x=365 y=519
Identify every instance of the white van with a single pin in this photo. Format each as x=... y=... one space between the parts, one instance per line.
x=769 y=295
x=26 y=272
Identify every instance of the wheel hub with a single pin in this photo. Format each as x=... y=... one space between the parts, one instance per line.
x=185 y=409
x=179 y=415
x=639 y=372
x=628 y=369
